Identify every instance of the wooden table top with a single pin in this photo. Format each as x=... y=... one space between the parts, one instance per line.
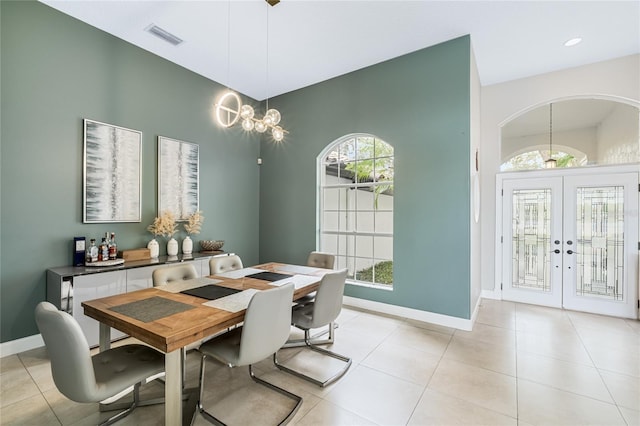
x=178 y=330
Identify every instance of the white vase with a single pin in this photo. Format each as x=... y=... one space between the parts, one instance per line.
x=172 y=247
x=154 y=248
x=187 y=245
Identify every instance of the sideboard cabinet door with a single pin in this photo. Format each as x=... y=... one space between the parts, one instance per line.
x=94 y=286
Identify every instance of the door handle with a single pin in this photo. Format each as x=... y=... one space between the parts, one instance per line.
x=556 y=251
x=571 y=252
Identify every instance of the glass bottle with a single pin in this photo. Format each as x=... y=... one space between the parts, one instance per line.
x=92 y=252
x=87 y=255
x=113 y=248
x=103 y=250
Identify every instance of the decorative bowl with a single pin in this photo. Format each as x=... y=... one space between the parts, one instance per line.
x=211 y=245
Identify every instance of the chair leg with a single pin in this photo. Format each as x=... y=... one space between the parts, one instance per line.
x=296 y=343
x=125 y=413
x=296 y=398
x=315 y=348
x=200 y=408
x=211 y=419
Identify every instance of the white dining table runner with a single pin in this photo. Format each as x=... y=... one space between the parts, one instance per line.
x=234 y=302
x=298 y=281
x=240 y=273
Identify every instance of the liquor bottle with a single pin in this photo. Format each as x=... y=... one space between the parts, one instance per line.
x=103 y=250
x=92 y=252
x=113 y=248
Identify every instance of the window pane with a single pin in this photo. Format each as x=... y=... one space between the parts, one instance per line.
x=364 y=246
x=333 y=198
x=364 y=269
x=330 y=221
x=384 y=221
x=531 y=244
x=383 y=248
x=600 y=242
x=329 y=243
x=365 y=148
x=365 y=221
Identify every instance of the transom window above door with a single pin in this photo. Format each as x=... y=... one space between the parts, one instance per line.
x=355 y=207
x=572 y=133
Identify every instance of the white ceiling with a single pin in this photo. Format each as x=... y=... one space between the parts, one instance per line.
x=312 y=41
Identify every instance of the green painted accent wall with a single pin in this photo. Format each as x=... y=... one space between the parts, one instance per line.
x=420 y=104
x=55 y=71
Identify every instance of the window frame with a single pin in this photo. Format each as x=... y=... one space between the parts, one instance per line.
x=322 y=185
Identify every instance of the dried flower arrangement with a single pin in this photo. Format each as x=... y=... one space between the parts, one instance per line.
x=194 y=223
x=164 y=225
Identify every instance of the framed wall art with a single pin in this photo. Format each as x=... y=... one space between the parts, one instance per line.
x=178 y=177
x=112 y=173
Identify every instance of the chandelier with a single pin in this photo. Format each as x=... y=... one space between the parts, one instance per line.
x=551 y=162
x=229 y=108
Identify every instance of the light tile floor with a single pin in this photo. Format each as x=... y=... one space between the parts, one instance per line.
x=521 y=365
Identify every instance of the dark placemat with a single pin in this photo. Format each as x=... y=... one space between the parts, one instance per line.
x=269 y=276
x=151 y=309
x=211 y=291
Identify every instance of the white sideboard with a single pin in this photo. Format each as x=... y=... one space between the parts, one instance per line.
x=68 y=286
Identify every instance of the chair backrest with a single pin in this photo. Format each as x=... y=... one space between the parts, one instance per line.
x=321 y=260
x=68 y=350
x=182 y=272
x=328 y=301
x=267 y=324
x=221 y=264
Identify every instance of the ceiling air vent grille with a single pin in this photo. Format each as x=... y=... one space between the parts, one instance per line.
x=164 y=34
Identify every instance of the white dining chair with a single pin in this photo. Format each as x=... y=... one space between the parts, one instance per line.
x=266 y=327
x=105 y=376
x=220 y=264
x=322 y=311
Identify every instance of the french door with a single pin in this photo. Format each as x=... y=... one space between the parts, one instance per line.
x=572 y=242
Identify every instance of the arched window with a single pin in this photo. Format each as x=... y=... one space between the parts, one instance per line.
x=355 y=216
x=535 y=159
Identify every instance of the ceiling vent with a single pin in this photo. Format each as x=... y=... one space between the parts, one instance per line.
x=164 y=34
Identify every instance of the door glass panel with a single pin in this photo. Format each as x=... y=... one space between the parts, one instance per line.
x=600 y=242
x=531 y=245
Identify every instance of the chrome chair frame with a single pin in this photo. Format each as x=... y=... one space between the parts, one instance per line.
x=324 y=310
x=265 y=330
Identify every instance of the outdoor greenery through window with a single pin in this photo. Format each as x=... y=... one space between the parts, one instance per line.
x=535 y=160
x=356 y=207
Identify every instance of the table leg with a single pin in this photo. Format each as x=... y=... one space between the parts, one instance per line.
x=173 y=388
x=105 y=337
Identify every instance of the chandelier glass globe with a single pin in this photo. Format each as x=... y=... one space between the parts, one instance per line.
x=274 y=116
x=260 y=126
x=247 y=124
x=277 y=133
x=246 y=112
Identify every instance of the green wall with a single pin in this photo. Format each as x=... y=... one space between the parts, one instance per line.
x=55 y=71
x=419 y=103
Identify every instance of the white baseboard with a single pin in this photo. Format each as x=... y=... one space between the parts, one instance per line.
x=414 y=314
x=491 y=294
x=20 y=345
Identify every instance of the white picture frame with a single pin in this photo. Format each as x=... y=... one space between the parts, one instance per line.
x=112 y=173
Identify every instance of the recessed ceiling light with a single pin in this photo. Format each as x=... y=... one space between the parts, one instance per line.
x=572 y=42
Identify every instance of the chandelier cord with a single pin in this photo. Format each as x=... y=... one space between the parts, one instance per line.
x=228 y=43
x=550 y=128
x=267 y=59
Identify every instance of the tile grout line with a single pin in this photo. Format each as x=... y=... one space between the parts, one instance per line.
x=604 y=382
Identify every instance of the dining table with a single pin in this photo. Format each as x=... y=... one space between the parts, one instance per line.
x=170 y=317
